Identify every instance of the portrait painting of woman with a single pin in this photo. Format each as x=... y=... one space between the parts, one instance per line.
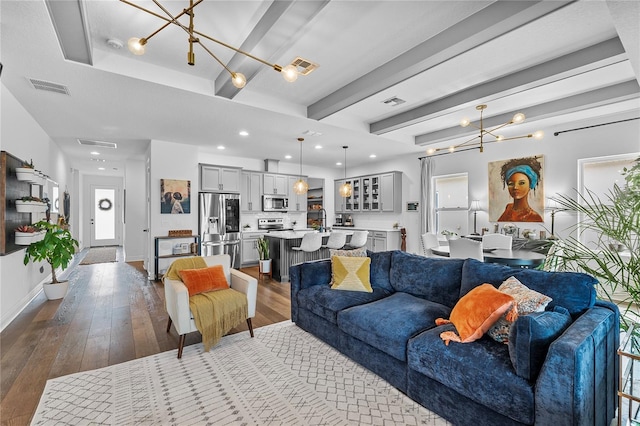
x=515 y=190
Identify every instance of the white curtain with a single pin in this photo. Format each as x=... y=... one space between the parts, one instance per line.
x=426 y=215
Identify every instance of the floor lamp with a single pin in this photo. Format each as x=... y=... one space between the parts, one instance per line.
x=475 y=207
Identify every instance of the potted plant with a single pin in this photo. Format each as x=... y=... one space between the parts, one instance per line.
x=25 y=235
x=614 y=258
x=28 y=204
x=449 y=234
x=56 y=248
x=26 y=172
x=263 y=252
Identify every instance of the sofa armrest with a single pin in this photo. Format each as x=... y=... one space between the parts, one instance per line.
x=177 y=304
x=248 y=285
x=304 y=275
x=578 y=381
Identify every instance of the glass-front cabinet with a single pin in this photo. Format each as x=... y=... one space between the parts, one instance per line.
x=370 y=193
x=353 y=203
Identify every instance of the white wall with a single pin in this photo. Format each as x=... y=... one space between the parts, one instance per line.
x=135 y=209
x=21 y=136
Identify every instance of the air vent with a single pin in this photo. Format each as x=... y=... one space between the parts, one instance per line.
x=394 y=101
x=102 y=144
x=304 y=66
x=48 y=86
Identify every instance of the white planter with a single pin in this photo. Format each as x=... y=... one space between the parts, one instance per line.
x=25 y=173
x=25 y=238
x=30 y=206
x=56 y=291
x=265 y=266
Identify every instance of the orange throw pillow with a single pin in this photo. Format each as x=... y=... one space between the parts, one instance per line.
x=204 y=279
x=476 y=312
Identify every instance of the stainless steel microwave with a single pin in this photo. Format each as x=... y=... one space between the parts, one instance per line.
x=275 y=203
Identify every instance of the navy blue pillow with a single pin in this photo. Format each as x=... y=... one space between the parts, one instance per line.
x=380 y=269
x=530 y=337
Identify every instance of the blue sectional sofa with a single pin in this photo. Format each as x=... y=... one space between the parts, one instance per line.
x=572 y=380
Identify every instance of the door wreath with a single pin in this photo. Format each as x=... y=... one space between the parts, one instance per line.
x=105 y=204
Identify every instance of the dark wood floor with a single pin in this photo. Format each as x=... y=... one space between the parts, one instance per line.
x=111 y=314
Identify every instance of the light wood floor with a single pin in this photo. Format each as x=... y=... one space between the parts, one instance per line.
x=111 y=314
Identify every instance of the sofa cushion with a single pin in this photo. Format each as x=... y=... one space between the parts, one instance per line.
x=476 y=312
x=326 y=303
x=481 y=371
x=350 y=273
x=387 y=324
x=575 y=291
x=530 y=338
x=380 y=270
x=315 y=273
x=437 y=280
x=527 y=301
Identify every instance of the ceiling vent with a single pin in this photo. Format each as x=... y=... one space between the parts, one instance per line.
x=102 y=144
x=304 y=66
x=394 y=101
x=48 y=86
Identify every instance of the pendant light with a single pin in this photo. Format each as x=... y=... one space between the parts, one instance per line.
x=345 y=188
x=301 y=186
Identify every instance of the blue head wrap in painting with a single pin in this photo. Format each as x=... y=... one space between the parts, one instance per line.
x=524 y=169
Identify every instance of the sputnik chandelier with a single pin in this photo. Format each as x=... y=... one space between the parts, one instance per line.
x=239 y=80
x=478 y=142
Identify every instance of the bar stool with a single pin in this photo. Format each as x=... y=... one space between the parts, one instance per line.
x=358 y=239
x=311 y=242
x=336 y=240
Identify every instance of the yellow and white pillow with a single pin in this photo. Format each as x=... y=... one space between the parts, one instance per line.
x=351 y=273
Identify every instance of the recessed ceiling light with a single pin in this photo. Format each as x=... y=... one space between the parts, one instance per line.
x=338 y=164
x=94 y=153
x=372 y=156
x=318 y=147
x=114 y=43
x=243 y=133
x=100 y=168
x=220 y=147
x=288 y=157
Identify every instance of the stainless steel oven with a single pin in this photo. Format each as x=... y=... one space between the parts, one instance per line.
x=275 y=203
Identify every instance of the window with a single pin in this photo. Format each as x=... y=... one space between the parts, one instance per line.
x=452 y=203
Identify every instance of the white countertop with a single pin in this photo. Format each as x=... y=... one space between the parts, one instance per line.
x=358 y=228
x=292 y=235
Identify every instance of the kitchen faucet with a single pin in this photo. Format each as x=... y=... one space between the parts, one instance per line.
x=323 y=226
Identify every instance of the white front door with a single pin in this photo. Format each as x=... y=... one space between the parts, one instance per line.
x=105 y=214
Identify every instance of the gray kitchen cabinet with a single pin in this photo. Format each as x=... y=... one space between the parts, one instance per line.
x=275 y=184
x=297 y=203
x=219 y=178
x=249 y=250
x=251 y=193
x=391 y=192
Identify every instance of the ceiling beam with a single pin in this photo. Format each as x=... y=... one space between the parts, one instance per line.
x=583 y=60
x=483 y=26
x=265 y=44
x=583 y=101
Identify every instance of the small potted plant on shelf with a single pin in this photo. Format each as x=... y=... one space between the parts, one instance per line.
x=28 y=204
x=263 y=252
x=25 y=235
x=25 y=172
x=57 y=248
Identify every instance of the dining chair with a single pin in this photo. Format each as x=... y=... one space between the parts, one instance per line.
x=358 y=239
x=311 y=242
x=336 y=240
x=497 y=241
x=429 y=241
x=463 y=248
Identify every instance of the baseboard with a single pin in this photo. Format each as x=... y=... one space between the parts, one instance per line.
x=7 y=318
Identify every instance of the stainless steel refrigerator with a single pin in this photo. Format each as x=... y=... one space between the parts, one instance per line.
x=219 y=225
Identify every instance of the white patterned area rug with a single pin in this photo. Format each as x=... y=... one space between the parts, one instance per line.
x=283 y=376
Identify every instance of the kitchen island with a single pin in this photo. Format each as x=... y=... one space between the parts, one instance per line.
x=283 y=256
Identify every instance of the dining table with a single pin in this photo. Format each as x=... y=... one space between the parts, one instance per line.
x=516 y=258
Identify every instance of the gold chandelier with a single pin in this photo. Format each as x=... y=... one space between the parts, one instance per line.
x=301 y=186
x=345 y=188
x=478 y=142
x=239 y=80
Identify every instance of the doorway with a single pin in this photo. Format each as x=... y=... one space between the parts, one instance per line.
x=105 y=212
